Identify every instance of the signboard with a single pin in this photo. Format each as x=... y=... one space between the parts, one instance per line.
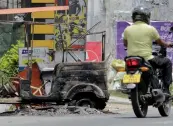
x=94 y=51
x=39 y=54
x=162 y=27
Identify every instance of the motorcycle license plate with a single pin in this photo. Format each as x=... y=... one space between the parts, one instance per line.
x=135 y=78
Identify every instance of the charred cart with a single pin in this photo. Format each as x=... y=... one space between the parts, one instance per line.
x=76 y=84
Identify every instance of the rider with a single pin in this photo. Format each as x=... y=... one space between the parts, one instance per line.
x=138 y=39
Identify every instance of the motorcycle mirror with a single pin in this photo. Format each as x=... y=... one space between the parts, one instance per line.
x=171 y=30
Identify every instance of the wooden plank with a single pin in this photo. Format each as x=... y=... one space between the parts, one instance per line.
x=43 y=29
x=43 y=1
x=15 y=100
x=43 y=43
x=43 y=15
x=33 y=9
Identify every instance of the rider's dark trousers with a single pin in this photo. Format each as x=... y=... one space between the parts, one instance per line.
x=165 y=64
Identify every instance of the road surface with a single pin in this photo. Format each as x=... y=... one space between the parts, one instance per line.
x=125 y=118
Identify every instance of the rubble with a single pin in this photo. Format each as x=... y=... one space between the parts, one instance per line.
x=65 y=110
x=54 y=111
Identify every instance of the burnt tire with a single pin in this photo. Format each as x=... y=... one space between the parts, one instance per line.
x=165 y=109
x=88 y=99
x=140 y=109
x=100 y=105
x=85 y=102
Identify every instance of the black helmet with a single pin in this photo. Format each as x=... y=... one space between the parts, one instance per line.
x=141 y=14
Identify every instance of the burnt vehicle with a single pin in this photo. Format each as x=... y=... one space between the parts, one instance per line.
x=79 y=84
x=76 y=84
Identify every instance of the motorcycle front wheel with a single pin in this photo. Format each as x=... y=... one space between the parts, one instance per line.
x=140 y=108
x=165 y=109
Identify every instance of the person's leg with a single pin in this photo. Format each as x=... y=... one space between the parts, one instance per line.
x=166 y=65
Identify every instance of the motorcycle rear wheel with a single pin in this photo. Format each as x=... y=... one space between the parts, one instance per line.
x=140 y=109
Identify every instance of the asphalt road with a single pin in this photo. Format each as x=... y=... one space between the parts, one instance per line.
x=126 y=119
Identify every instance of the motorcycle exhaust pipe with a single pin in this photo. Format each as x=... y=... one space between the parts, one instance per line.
x=158 y=96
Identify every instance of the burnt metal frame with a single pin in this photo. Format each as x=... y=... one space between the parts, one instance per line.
x=103 y=33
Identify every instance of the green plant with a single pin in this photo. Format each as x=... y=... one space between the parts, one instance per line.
x=9 y=61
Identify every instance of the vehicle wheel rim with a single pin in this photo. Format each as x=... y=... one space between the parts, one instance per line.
x=84 y=103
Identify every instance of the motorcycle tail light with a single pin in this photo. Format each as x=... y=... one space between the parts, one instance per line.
x=132 y=62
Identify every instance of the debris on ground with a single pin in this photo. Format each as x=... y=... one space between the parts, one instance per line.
x=63 y=110
x=111 y=108
x=54 y=111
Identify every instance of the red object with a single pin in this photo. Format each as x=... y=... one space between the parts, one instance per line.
x=35 y=81
x=66 y=2
x=132 y=62
x=93 y=51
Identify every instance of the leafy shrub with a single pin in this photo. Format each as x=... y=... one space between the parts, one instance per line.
x=9 y=61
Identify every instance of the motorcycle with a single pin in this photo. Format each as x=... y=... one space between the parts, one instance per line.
x=142 y=91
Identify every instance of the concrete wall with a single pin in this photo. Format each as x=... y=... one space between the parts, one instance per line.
x=110 y=11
